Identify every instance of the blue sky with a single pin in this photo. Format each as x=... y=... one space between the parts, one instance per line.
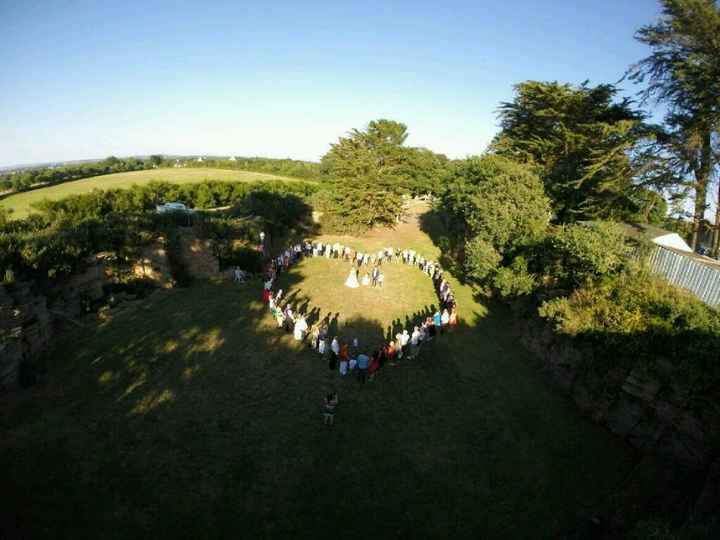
x=284 y=79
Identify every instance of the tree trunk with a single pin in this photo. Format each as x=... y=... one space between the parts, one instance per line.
x=716 y=231
x=702 y=176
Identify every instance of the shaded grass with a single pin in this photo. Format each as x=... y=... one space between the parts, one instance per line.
x=20 y=203
x=194 y=416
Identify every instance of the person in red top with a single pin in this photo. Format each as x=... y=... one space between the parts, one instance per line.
x=374 y=365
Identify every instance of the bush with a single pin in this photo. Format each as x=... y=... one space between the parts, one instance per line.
x=246 y=258
x=481 y=259
x=514 y=280
x=176 y=262
x=501 y=201
x=638 y=318
x=586 y=252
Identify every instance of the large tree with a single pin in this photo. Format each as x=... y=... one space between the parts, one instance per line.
x=377 y=154
x=495 y=206
x=579 y=139
x=683 y=73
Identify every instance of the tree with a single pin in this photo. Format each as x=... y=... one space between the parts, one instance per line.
x=682 y=72
x=499 y=200
x=156 y=160
x=378 y=154
x=496 y=207
x=579 y=140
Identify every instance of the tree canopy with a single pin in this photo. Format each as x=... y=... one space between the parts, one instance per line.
x=682 y=72
x=377 y=154
x=579 y=140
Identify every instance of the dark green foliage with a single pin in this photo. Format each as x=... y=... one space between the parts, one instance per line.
x=640 y=319
x=682 y=73
x=481 y=259
x=496 y=208
x=176 y=263
x=579 y=141
x=248 y=259
x=279 y=211
x=514 y=280
x=377 y=156
x=579 y=253
x=55 y=242
x=358 y=205
x=501 y=201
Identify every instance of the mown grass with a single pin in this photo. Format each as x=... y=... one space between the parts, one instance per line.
x=20 y=203
x=193 y=416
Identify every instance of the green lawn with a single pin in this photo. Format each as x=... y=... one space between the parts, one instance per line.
x=193 y=416
x=20 y=203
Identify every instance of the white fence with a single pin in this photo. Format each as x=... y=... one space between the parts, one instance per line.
x=703 y=280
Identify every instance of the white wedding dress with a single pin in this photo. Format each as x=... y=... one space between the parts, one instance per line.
x=352 y=280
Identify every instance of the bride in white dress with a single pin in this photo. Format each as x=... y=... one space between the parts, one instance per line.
x=352 y=280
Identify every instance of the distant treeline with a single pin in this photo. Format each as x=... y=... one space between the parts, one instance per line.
x=307 y=170
x=31 y=178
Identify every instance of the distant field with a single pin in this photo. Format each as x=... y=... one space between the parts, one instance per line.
x=20 y=203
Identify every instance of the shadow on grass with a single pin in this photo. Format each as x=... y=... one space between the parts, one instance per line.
x=195 y=416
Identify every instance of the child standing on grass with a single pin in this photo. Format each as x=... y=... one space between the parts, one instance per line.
x=331 y=401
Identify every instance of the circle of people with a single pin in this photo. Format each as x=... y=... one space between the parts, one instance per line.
x=351 y=357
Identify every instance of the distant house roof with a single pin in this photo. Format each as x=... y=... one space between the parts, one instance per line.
x=658 y=236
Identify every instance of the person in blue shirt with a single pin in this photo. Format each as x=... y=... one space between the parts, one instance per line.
x=363 y=360
x=437 y=322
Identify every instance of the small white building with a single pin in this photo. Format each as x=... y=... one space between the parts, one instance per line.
x=200 y=159
x=232 y=158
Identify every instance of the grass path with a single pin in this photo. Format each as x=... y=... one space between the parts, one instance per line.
x=20 y=203
x=195 y=417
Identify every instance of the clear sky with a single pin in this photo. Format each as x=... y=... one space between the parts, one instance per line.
x=284 y=79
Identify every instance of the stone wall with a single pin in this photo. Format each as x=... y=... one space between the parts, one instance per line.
x=30 y=319
x=653 y=413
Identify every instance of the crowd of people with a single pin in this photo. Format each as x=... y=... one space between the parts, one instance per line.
x=351 y=357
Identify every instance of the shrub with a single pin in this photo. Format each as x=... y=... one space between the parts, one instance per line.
x=481 y=259
x=514 y=280
x=176 y=262
x=246 y=258
x=585 y=252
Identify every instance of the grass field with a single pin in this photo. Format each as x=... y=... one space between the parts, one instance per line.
x=193 y=416
x=20 y=203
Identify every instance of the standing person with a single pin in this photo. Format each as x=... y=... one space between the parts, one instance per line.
x=315 y=342
x=381 y=280
x=363 y=362
x=453 y=319
x=374 y=364
x=404 y=342
x=343 y=366
x=329 y=405
x=375 y=274
x=445 y=319
x=322 y=346
x=300 y=328
x=437 y=322
x=414 y=342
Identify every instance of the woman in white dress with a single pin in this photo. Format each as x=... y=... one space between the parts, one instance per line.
x=352 y=280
